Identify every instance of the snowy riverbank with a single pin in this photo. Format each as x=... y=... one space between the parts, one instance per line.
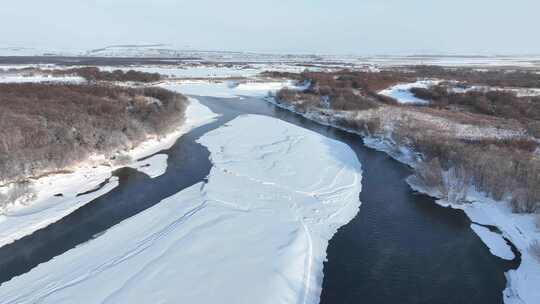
x=227 y=89
x=255 y=232
x=59 y=194
x=520 y=229
x=517 y=228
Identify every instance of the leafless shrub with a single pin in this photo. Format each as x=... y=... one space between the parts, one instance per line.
x=430 y=174
x=494 y=103
x=537 y=221
x=535 y=250
x=498 y=167
x=451 y=184
x=494 y=77
x=3 y=200
x=21 y=192
x=47 y=127
x=95 y=74
x=457 y=181
x=522 y=202
x=122 y=160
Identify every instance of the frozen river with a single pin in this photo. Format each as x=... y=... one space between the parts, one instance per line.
x=399 y=248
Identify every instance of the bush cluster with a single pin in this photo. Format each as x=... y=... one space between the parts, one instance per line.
x=344 y=90
x=495 y=169
x=93 y=74
x=499 y=167
x=493 y=77
x=48 y=127
x=19 y=192
x=495 y=103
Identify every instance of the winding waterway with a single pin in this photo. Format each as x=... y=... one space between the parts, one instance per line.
x=400 y=248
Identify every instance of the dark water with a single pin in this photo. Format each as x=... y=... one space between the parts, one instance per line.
x=401 y=248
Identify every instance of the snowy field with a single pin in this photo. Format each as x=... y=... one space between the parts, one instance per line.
x=228 y=89
x=20 y=220
x=191 y=71
x=402 y=92
x=256 y=232
x=203 y=71
x=39 y=78
x=520 y=92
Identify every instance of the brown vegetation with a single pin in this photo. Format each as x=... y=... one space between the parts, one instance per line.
x=495 y=77
x=46 y=127
x=473 y=138
x=343 y=90
x=95 y=74
x=496 y=103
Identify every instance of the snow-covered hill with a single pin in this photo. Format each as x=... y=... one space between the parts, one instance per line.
x=144 y=50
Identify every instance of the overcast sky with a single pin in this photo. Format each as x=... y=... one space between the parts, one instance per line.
x=299 y=26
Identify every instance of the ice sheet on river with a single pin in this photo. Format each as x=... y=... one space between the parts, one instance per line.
x=255 y=232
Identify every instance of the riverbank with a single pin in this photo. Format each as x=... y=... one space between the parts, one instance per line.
x=58 y=195
x=263 y=205
x=519 y=229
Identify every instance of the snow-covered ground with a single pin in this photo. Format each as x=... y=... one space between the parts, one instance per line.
x=520 y=229
x=256 y=232
x=227 y=89
x=13 y=78
x=7 y=67
x=520 y=92
x=402 y=92
x=210 y=71
x=196 y=71
x=496 y=244
x=19 y=220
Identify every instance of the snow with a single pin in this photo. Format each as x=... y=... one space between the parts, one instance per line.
x=20 y=220
x=520 y=229
x=522 y=283
x=196 y=71
x=11 y=78
x=520 y=92
x=8 y=67
x=497 y=245
x=154 y=166
x=402 y=92
x=226 y=89
x=255 y=232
